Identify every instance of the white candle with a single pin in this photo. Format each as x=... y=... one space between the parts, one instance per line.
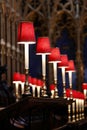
x=26 y=56
x=70 y=79
x=70 y=83
x=33 y=90
x=38 y=91
x=63 y=75
x=44 y=64
x=22 y=87
x=85 y=92
x=55 y=71
x=63 y=78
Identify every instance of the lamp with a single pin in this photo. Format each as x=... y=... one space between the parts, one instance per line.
x=70 y=69
x=43 y=48
x=26 y=36
x=63 y=65
x=16 y=81
x=55 y=58
x=84 y=88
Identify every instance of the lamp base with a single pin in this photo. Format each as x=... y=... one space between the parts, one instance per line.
x=56 y=93
x=27 y=93
x=44 y=92
x=27 y=89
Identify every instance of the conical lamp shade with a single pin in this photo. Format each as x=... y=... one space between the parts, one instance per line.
x=84 y=86
x=22 y=77
x=26 y=33
x=71 y=66
x=54 y=56
x=39 y=82
x=34 y=81
x=64 y=61
x=52 y=86
x=16 y=76
x=43 y=46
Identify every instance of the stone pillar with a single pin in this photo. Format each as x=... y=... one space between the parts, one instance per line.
x=2 y=40
x=79 y=59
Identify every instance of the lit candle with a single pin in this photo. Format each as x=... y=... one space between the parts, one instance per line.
x=63 y=76
x=38 y=91
x=85 y=92
x=22 y=88
x=43 y=64
x=55 y=72
x=26 y=56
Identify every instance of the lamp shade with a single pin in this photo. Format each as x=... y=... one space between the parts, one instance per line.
x=26 y=33
x=34 y=81
x=74 y=93
x=39 y=82
x=52 y=86
x=64 y=61
x=71 y=66
x=54 y=56
x=29 y=79
x=67 y=92
x=84 y=86
x=16 y=76
x=43 y=46
x=22 y=77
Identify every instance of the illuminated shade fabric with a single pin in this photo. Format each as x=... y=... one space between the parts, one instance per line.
x=26 y=33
